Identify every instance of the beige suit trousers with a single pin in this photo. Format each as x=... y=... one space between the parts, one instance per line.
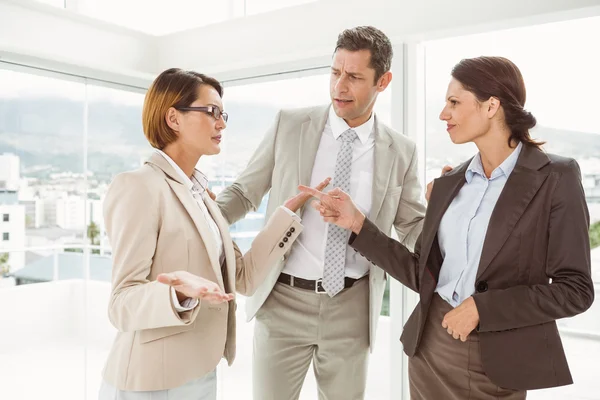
x=296 y=326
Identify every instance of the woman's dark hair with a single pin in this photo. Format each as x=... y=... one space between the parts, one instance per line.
x=499 y=77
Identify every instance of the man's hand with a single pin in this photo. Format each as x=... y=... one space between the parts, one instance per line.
x=446 y=168
x=337 y=207
x=193 y=286
x=295 y=203
x=211 y=194
x=461 y=321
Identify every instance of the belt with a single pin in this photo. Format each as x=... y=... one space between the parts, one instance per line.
x=316 y=285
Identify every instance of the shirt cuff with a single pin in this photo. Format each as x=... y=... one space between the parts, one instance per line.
x=292 y=214
x=187 y=304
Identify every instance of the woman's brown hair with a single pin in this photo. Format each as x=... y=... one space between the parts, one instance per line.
x=172 y=88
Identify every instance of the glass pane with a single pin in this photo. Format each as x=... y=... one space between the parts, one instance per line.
x=116 y=143
x=252 y=109
x=42 y=192
x=560 y=69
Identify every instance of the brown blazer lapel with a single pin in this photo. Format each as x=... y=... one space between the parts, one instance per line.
x=522 y=185
x=444 y=191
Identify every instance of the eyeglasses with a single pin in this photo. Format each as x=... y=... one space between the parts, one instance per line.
x=210 y=110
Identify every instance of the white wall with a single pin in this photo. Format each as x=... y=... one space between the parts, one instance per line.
x=299 y=37
x=60 y=40
x=292 y=38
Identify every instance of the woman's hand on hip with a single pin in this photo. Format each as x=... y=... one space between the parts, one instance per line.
x=461 y=321
x=195 y=287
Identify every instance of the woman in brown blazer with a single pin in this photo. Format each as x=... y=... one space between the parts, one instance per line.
x=175 y=267
x=503 y=254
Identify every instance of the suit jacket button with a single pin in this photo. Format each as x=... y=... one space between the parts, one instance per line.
x=481 y=287
x=285 y=239
x=292 y=229
x=281 y=244
x=289 y=234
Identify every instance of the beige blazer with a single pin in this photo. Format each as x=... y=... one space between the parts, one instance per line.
x=154 y=225
x=285 y=159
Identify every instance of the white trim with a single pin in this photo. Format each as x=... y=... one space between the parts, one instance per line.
x=65 y=76
x=408 y=97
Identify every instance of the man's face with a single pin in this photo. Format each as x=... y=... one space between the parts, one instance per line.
x=353 y=88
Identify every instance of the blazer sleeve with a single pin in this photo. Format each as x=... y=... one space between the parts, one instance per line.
x=411 y=211
x=269 y=247
x=247 y=192
x=388 y=254
x=567 y=263
x=132 y=219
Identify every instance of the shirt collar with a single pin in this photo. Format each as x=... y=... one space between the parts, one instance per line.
x=506 y=168
x=197 y=176
x=339 y=126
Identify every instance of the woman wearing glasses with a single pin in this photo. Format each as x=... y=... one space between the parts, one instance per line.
x=175 y=267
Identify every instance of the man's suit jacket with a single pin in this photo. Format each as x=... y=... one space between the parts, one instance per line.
x=285 y=159
x=534 y=269
x=155 y=225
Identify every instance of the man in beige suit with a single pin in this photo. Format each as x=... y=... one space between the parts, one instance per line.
x=321 y=303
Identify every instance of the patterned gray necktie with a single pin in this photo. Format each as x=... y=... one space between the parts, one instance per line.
x=337 y=238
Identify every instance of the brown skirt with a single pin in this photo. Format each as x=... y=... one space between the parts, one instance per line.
x=444 y=368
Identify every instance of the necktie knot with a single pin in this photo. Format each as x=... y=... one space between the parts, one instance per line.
x=349 y=136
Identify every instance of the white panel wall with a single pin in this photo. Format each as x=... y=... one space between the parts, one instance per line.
x=57 y=39
x=283 y=40
x=275 y=41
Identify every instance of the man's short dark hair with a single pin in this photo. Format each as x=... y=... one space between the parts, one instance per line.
x=372 y=39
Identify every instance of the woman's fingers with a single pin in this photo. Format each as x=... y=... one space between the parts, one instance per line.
x=168 y=279
x=323 y=184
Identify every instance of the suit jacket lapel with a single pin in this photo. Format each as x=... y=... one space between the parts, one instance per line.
x=188 y=201
x=521 y=186
x=445 y=189
x=194 y=211
x=230 y=260
x=384 y=156
x=310 y=138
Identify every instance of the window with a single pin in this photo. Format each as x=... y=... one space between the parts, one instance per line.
x=6 y=236
x=5 y=217
x=561 y=94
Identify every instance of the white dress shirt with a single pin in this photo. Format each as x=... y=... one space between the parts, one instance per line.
x=306 y=259
x=197 y=185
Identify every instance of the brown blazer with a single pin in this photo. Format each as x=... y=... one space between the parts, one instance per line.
x=154 y=226
x=534 y=269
